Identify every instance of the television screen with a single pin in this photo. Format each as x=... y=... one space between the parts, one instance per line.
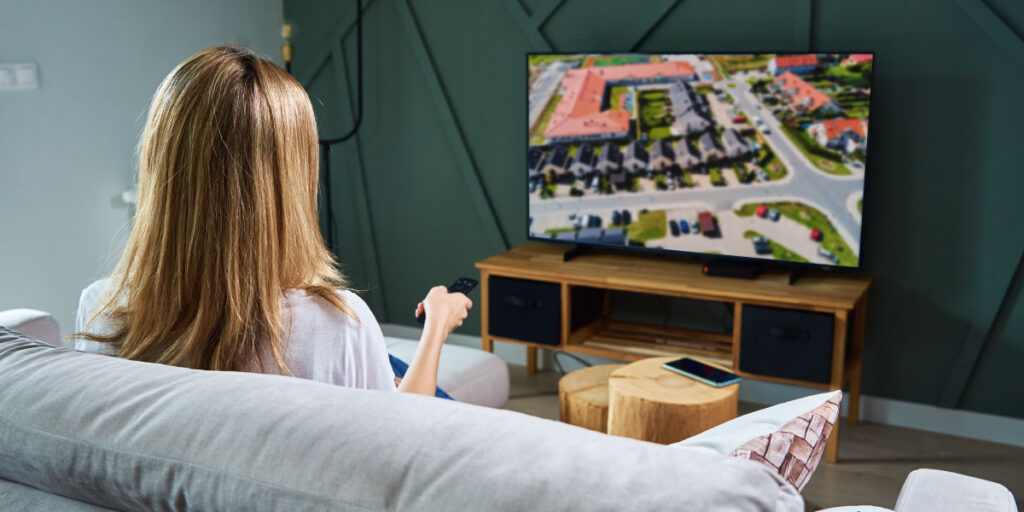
x=742 y=155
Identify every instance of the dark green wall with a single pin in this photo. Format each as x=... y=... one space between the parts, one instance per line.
x=434 y=180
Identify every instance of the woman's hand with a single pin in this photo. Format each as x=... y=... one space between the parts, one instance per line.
x=445 y=310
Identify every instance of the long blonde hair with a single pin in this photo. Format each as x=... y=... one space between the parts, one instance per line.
x=226 y=221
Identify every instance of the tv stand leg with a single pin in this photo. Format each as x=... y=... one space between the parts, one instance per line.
x=797 y=273
x=577 y=250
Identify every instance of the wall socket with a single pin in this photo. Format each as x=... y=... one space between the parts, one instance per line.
x=19 y=77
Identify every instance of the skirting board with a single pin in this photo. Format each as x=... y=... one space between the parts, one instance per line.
x=955 y=422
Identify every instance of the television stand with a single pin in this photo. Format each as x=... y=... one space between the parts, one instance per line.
x=577 y=250
x=531 y=297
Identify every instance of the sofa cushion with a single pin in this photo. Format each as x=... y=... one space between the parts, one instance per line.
x=37 y=324
x=468 y=375
x=132 y=435
x=932 y=490
x=790 y=438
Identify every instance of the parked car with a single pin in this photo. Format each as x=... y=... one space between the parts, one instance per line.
x=774 y=214
x=761 y=245
x=595 y=222
x=616 y=217
x=828 y=254
x=816 y=235
x=761 y=210
x=673 y=226
x=707 y=223
x=695 y=226
x=764 y=129
x=739 y=119
x=684 y=226
x=626 y=217
x=671 y=184
x=757 y=120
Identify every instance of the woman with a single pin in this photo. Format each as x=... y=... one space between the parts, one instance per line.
x=225 y=268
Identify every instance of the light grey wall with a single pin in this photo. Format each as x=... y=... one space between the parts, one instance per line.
x=68 y=148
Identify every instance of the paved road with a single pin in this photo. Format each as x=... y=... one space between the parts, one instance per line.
x=807 y=184
x=547 y=83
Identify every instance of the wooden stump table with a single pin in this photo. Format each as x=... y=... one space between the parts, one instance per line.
x=583 y=397
x=650 y=403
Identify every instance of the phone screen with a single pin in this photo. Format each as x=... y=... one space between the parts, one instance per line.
x=695 y=367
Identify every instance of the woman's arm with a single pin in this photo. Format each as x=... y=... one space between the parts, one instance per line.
x=445 y=312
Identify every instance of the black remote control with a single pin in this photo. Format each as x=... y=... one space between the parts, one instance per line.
x=462 y=284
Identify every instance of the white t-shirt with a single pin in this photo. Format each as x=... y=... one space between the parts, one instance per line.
x=323 y=344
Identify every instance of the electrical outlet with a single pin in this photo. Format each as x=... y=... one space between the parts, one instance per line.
x=21 y=76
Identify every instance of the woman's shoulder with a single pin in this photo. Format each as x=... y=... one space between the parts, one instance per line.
x=309 y=307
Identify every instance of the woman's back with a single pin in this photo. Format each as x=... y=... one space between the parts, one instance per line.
x=321 y=342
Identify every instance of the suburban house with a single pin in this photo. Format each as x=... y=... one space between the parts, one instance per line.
x=636 y=158
x=710 y=150
x=610 y=159
x=558 y=162
x=804 y=96
x=663 y=155
x=689 y=112
x=583 y=164
x=734 y=145
x=535 y=162
x=857 y=58
x=686 y=156
x=579 y=117
x=847 y=135
x=799 y=64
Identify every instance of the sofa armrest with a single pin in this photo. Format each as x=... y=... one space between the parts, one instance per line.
x=931 y=490
x=37 y=324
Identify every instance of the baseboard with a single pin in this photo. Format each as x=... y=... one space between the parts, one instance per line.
x=886 y=411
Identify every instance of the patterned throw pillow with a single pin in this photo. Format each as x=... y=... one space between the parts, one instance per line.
x=795 y=449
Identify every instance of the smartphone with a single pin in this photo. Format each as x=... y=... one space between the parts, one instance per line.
x=697 y=370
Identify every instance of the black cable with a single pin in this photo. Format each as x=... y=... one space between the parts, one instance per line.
x=573 y=356
x=359 y=79
x=325 y=144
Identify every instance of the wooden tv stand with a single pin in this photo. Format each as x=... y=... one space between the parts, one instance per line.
x=845 y=297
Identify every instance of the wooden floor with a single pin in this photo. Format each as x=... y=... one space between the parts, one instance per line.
x=873 y=459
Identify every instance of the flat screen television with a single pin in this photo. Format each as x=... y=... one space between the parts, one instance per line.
x=754 y=155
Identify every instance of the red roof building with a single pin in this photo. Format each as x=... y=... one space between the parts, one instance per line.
x=845 y=134
x=802 y=94
x=796 y=61
x=579 y=113
x=857 y=58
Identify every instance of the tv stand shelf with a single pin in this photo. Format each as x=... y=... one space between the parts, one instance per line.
x=842 y=297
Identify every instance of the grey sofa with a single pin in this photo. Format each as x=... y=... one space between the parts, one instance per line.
x=82 y=431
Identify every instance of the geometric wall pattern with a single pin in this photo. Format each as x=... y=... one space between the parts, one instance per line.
x=434 y=180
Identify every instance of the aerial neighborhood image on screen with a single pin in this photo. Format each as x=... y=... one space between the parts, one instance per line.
x=751 y=155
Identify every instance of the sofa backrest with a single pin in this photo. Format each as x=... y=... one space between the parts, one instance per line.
x=130 y=435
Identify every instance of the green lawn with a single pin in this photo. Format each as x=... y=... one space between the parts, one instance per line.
x=847 y=77
x=811 y=218
x=537 y=135
x=716 y=176
x=618 y=61
x=537 y=60
x=768 y=161
x=779 y=251
x=734 y=63
x=804 y=143
x=860 y=206
x=555 y=231
x=655 y=121
x=648 y=226
x=615 y=95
